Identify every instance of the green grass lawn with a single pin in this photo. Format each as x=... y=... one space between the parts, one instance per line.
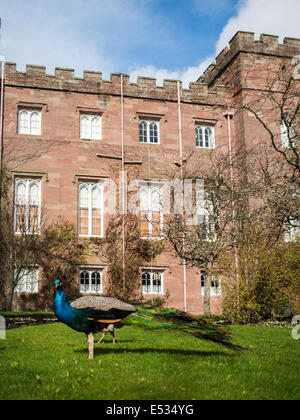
x=50 y=362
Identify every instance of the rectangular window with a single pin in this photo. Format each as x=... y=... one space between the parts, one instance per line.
x=215 y=285
x=152 y=283
x=28 y=281
x=151 y=215
x=90 y=126
x=205 y=137
x=149 y=131
x=90 y=281
x=29 y=122
x=90 y=209
x=27 y=206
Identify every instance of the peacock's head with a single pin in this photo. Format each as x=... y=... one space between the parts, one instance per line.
x=57 y=283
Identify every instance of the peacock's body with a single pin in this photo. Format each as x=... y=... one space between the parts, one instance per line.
x=92 y=314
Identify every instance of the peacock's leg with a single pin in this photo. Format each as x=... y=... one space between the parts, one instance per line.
x=91 y=345
x=113 y=336
x=102 y=337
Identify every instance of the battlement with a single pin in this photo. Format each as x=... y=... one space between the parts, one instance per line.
x=92 y=82
x=245 y=42
x=146 y=87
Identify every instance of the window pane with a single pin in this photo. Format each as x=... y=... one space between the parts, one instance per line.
x=96 y=220
x=82 y=282
x=20 y=193
x=144 y=222
x=93 y=285
x=24 y=122
x=96 y=197
x=207 y=137
x=153 y=132
x=98 y=282
x=144 y=200
x=32 y=281
x=33 y=222
x=85 y=127
x=157 y=284
x=96 y=128
x=155 y=200
x=21 y=219
x=156 y=228
x=34 y=194
x=84 y=222
x=96 y=211
x=143 y=132
x=146 y=283
x=84 y=197
x=35 y=122
x=199 y=136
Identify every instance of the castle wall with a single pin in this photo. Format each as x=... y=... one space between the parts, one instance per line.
x=61 y=159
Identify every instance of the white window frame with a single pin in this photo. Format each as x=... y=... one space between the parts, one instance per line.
x=148 y=123
x=213 y=290
x=90 y=135
x=29 y=113
x=152 y=290
x=28 y=182
x=90 y=272
x=90 y=186
x=211 y=140
x=28 y=278
x=149 y=190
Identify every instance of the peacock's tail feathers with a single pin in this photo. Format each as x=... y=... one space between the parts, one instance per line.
x=178 y=321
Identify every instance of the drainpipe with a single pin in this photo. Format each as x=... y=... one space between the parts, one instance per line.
x=182 y=191
x=2 y=75
x=229 y=116
x=123 y=181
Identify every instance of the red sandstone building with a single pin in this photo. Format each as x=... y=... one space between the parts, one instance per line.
x=83 y=131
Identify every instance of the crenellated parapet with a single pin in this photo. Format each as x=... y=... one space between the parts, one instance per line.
x=146 y=87
x=245 y=42
x=92 y=82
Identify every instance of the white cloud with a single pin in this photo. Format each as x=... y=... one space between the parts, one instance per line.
x=81 y=34
x=274 y=17
x=187 y=75
x=104 y=35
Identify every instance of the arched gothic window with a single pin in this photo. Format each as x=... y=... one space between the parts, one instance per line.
x=27 y=205
x=90 y=209
x=149 y=131
x=205 y=137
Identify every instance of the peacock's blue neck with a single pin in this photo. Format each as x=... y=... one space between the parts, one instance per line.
x=62 y=308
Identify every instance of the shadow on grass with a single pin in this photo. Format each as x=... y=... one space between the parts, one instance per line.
x=100 y=350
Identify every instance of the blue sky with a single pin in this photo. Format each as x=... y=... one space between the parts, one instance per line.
x=160 y=38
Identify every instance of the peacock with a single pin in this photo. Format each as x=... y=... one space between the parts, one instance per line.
x=93 y=314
